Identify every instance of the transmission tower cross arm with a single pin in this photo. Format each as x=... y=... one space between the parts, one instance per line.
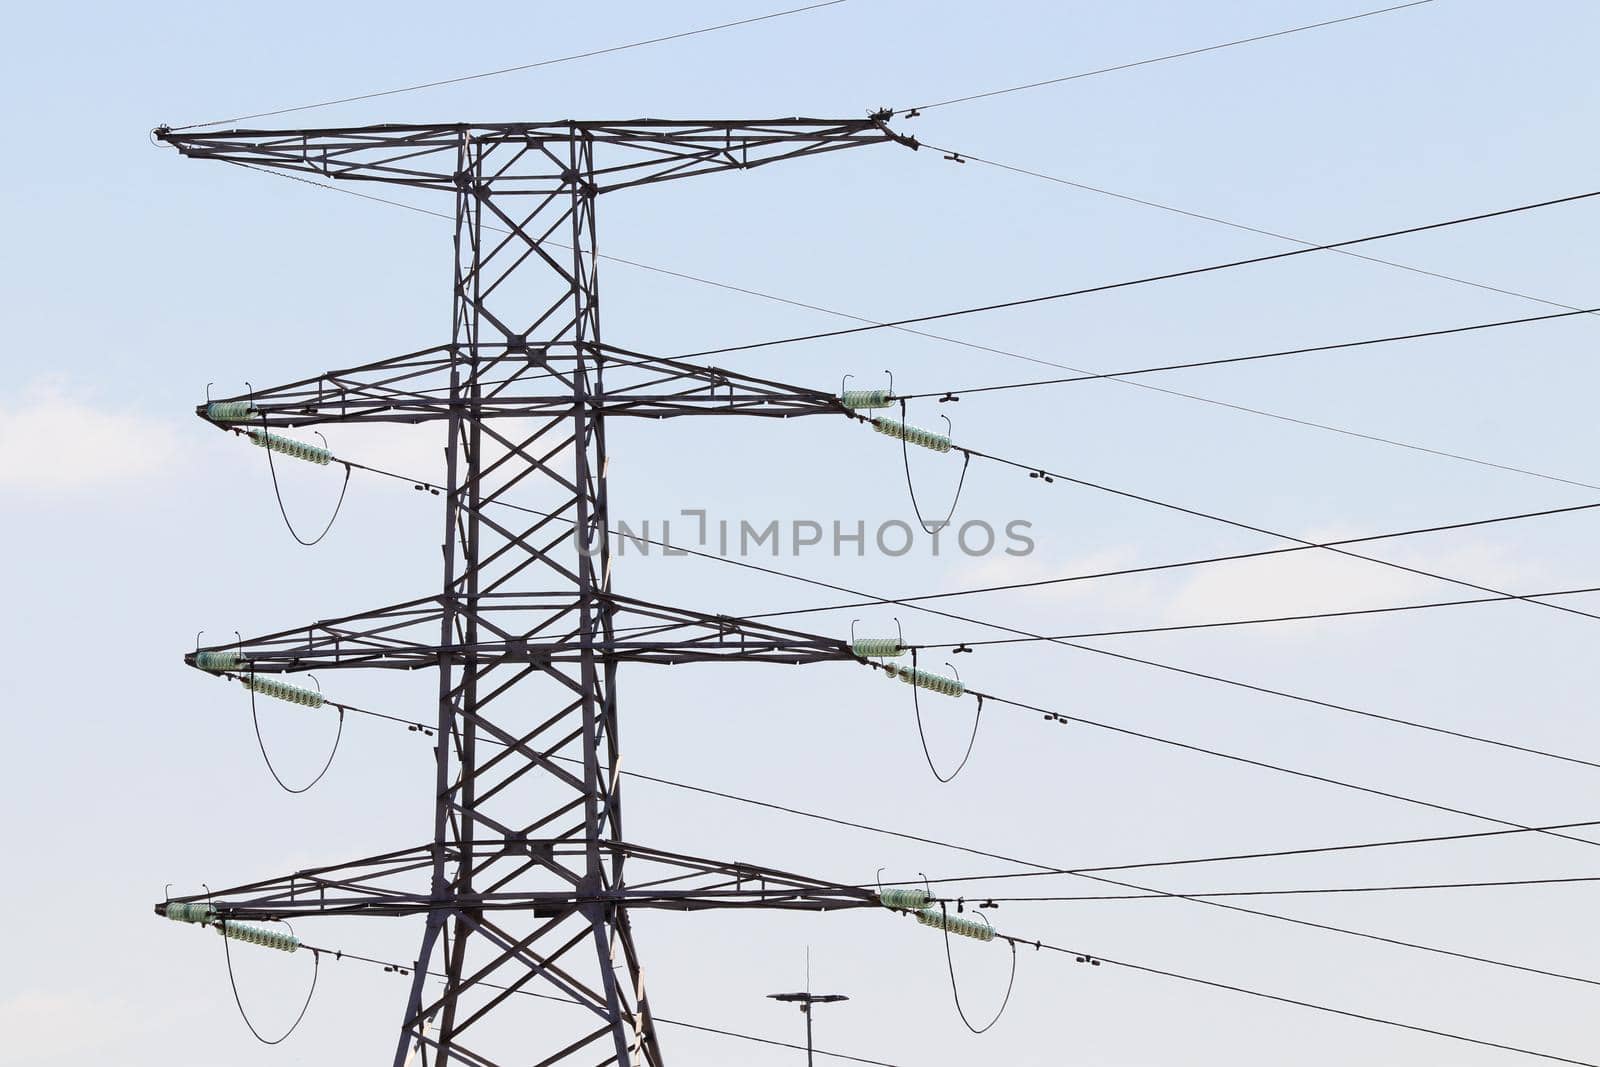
x=387 y=885
x=530 y=156
x=517 y=379
x=516 y=628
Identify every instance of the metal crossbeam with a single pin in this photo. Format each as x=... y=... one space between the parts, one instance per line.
x=519 y=382
x=528 y=876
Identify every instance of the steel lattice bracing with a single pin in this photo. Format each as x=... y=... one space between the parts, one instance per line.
x=522 y=881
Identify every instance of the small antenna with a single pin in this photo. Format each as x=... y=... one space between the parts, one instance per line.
x=806 y=1000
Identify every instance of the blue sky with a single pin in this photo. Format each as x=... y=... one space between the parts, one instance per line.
x=136 y=277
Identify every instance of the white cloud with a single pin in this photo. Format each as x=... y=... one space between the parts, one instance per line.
x=52 y=441
x=1315 y=581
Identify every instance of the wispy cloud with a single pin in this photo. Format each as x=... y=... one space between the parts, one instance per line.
x=54 y=441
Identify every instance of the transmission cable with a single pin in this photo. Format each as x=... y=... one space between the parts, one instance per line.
x=1220 y=679
x=1085 y=957
x=1134 y=372
x=510 y=70
x=1096 y=874
x=406 y=969
x=1246 y=228
x=1041 y=472
x=1144 y=280
x=1178 y=627
x=1310 y=891
x=1306 y=423
x=1053 y=715
x=1035 y=583
x=913 y=112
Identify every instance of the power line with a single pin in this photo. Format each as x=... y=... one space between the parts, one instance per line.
x=1177 y=627
x=1178 y=565
x=1246 y=228
x=1091 y=875
x=1249 y=686
x=1085 y=957
x=405 y=969
x=1307 y=423
x=912 y=112
x=1037 y=471
x=1018 y=942
x=1042 y=870
x=1278 y=768
x=1224 y=360
x=1317 y=891
x=520 y=67
x=1144 y=280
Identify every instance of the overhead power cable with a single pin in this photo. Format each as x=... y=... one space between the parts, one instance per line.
x=1054 y=715
x=1149 y=568
x=1253 y=357
x=1211 y=900
x=1175 y=627
x=1020 y=943
x=405 y=969
x=520 y=67
x=1041 y=870
x=1249 y=686
x=1261 y=412
x=1090 y=874
x=1242 y=227
x=1311 y=891
x=1064 y=718
x=1045 y=473
x=1086 y=957
x=912 y=112
x=1105 y=287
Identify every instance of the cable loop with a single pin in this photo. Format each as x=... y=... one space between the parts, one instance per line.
x=955 y=990
x=338 y=736
x=316 y=968
x=278 y=492
x=972 y=740
x=916 y=509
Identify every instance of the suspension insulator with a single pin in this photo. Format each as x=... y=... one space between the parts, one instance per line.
x=231 y=411
x=280 y=690
x=259 y=935
x=959 y=925
x=877 y=647
x=950 y=687
x=219 y=661
x=903 y=899
x=179 y=911
x=290 y=447
x=857 y=399
x=914 y=435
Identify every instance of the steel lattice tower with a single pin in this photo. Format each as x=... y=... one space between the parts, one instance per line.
x=523 y=881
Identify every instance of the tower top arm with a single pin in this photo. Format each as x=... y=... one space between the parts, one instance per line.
x=531 y=157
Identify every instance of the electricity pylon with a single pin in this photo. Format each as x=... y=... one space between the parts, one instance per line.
x=525 y=864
